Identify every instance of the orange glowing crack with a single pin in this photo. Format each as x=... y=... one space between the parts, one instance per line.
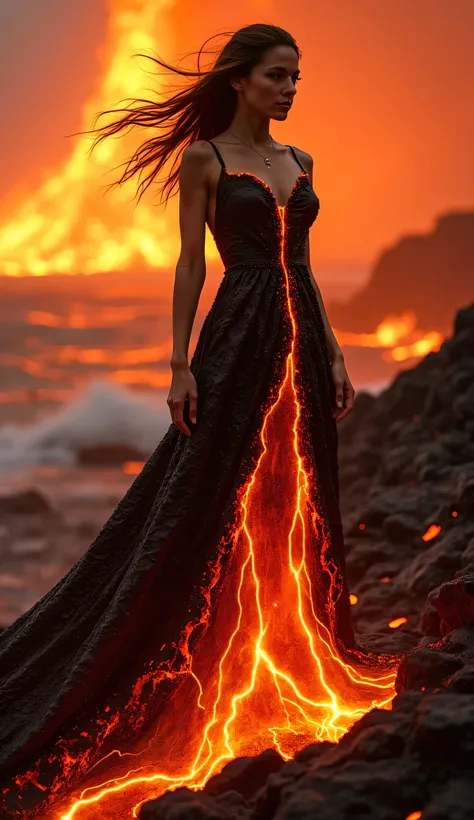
x=431 y=532
x=397 y=622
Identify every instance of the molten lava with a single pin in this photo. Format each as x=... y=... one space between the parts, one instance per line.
x=390 y=333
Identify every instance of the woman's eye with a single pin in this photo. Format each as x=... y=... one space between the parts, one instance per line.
x=279 y=77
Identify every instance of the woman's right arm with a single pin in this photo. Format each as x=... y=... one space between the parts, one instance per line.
x=190 y=276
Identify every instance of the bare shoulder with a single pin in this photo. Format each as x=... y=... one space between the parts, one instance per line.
x=305 y=158
x=196 y=159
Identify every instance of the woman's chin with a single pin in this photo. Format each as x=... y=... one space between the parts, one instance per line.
x=281 y=114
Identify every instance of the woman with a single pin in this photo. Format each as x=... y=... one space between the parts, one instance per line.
x=210 y=616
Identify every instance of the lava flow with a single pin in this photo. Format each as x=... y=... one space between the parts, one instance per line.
x=265 y=671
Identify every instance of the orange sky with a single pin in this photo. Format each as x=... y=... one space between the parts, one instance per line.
x=383 y=107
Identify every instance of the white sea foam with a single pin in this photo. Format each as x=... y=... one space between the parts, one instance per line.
x=103 y=413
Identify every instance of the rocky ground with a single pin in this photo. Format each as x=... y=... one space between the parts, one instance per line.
x=407 y=499
x=407 y=493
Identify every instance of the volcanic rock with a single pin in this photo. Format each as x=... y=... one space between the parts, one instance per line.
x=409 y=524
x=189 y=805
x=245 y=774
x=426 y=669
x=454 y=603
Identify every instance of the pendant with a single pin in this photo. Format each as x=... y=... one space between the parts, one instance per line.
x=267 y=162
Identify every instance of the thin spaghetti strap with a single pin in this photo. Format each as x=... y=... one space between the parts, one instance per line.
x=218 y=154
x=296 y=158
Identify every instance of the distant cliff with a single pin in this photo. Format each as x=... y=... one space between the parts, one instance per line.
x=431 y=274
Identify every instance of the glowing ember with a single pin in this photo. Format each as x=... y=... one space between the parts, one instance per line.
x=397 y=622
x=353 y=599
x=415 y=815
x=132 y=467
x=385 y=579
x=431 y=532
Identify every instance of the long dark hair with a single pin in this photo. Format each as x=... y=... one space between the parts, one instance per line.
x=200 y=111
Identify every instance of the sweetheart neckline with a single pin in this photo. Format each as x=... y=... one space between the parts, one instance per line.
x=265 y=186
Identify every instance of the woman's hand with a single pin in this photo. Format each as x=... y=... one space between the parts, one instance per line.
x=183 y=386
x=344 y=391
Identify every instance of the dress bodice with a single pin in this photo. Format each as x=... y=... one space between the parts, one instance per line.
x=250 y=226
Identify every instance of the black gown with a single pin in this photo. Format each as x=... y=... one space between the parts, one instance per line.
x=210 y=617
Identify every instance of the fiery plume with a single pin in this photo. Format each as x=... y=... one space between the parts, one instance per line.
x=68 y=226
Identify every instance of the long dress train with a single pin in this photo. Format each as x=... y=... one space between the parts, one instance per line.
x=210 y=617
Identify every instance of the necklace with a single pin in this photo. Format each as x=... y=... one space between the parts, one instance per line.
x=266 y=160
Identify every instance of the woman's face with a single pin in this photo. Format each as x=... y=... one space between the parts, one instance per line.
x=271 y=83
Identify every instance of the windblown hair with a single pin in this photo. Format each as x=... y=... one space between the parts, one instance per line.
x=200 y=111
